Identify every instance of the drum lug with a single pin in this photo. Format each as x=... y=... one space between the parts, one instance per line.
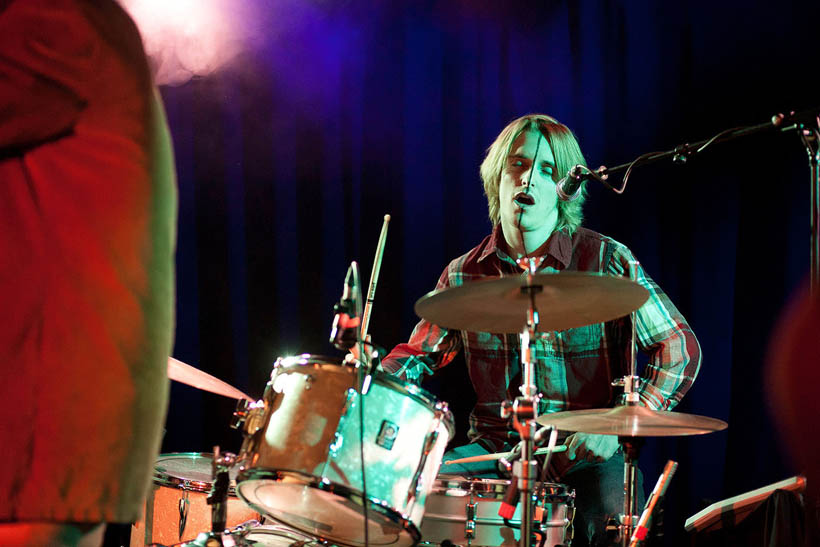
x=415 y=485
x=183 y=512
x=249 y=416
x=469 y=526
x=240 y=414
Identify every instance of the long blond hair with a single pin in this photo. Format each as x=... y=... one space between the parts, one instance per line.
x=567 y=155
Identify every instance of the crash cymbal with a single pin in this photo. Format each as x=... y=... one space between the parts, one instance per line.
x=188 y=375
x=632 y=421
x=565 y=300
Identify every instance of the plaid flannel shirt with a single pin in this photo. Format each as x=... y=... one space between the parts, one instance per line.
x=574 y=369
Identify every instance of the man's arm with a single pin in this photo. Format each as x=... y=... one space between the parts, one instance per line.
x=430 y=347
x=664 y=335
x=674 y=359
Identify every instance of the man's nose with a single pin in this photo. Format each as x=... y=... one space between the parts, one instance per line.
x=527 y=178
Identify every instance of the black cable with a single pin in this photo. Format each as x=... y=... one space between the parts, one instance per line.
x=361 y=376
x=527 y=189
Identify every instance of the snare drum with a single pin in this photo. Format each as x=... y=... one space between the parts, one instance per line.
x=301 y=463
x=465 y=512
x=176 y=509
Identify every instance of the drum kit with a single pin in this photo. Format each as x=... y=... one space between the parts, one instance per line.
x=337 y=452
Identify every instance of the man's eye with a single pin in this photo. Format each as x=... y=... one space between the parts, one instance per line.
x=547 y=171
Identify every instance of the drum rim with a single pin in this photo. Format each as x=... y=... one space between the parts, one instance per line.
x=164 y=478
x=269 y=529
x=485 y=488
x=411 y=390
x=374 y=504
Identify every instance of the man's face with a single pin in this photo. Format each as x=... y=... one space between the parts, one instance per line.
x=535 y=204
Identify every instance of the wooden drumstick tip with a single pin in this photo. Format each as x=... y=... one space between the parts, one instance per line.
x=387 y=218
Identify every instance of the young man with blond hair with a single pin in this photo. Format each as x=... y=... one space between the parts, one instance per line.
x=574 y=368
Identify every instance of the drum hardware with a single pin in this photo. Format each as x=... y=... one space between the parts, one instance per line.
x=642 y=528
x=218 y=496
x=524 y=409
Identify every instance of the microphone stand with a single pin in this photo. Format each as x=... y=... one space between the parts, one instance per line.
x=807 y=125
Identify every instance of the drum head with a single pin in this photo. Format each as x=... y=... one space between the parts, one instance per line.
x=327 y=511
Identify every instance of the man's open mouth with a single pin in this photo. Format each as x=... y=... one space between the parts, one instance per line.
x=523 y=198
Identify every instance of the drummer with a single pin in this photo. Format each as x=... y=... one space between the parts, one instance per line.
x=575 y=367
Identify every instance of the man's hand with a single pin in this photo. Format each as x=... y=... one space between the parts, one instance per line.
x=594 y=448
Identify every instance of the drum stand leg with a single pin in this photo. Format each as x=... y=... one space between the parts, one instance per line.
x=631 y=447
x=525 y=408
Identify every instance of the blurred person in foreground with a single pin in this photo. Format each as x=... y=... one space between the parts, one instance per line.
x=87 y=236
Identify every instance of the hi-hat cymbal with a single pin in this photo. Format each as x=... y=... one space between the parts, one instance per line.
x=565 y=300
x=632 y=421
x=188 y=375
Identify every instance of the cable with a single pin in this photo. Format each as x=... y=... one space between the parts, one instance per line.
x=527 y=189
x=362 y=374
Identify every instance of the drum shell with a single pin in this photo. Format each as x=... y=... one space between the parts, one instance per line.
x=311 y=433
x=161 y=517
x=446 y=512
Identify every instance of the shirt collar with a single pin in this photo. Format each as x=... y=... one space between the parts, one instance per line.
x=559 y=247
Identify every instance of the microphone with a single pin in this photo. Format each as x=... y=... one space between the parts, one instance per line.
x=344 y=332
x=569 y=187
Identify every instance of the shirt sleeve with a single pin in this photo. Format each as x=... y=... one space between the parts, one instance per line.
x=45 y=53
x=664 y=335
x=430 y=347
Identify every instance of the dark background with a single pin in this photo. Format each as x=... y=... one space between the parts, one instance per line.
x=289 y=157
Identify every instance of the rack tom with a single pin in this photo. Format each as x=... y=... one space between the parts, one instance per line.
x=301 y=461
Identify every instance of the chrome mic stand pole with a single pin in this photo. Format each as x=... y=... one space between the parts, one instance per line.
x=810 y=136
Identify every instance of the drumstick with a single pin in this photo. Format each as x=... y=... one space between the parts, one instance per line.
x=499 y=455
x=374 y=277
x=186 y=374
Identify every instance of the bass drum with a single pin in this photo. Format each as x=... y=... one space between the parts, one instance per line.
x=301 y=461
x=176 y=509
x=465 y=512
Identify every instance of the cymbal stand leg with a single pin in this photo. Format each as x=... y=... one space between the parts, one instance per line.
x=631 y=447
x=525 y=408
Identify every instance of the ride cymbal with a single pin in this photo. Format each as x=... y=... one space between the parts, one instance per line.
x=632 y=421
x=563 y=300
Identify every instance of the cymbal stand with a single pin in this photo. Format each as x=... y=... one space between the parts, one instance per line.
x=524 y=409
x=630 y=446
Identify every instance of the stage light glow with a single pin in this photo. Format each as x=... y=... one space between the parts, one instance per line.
x=187 y=38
